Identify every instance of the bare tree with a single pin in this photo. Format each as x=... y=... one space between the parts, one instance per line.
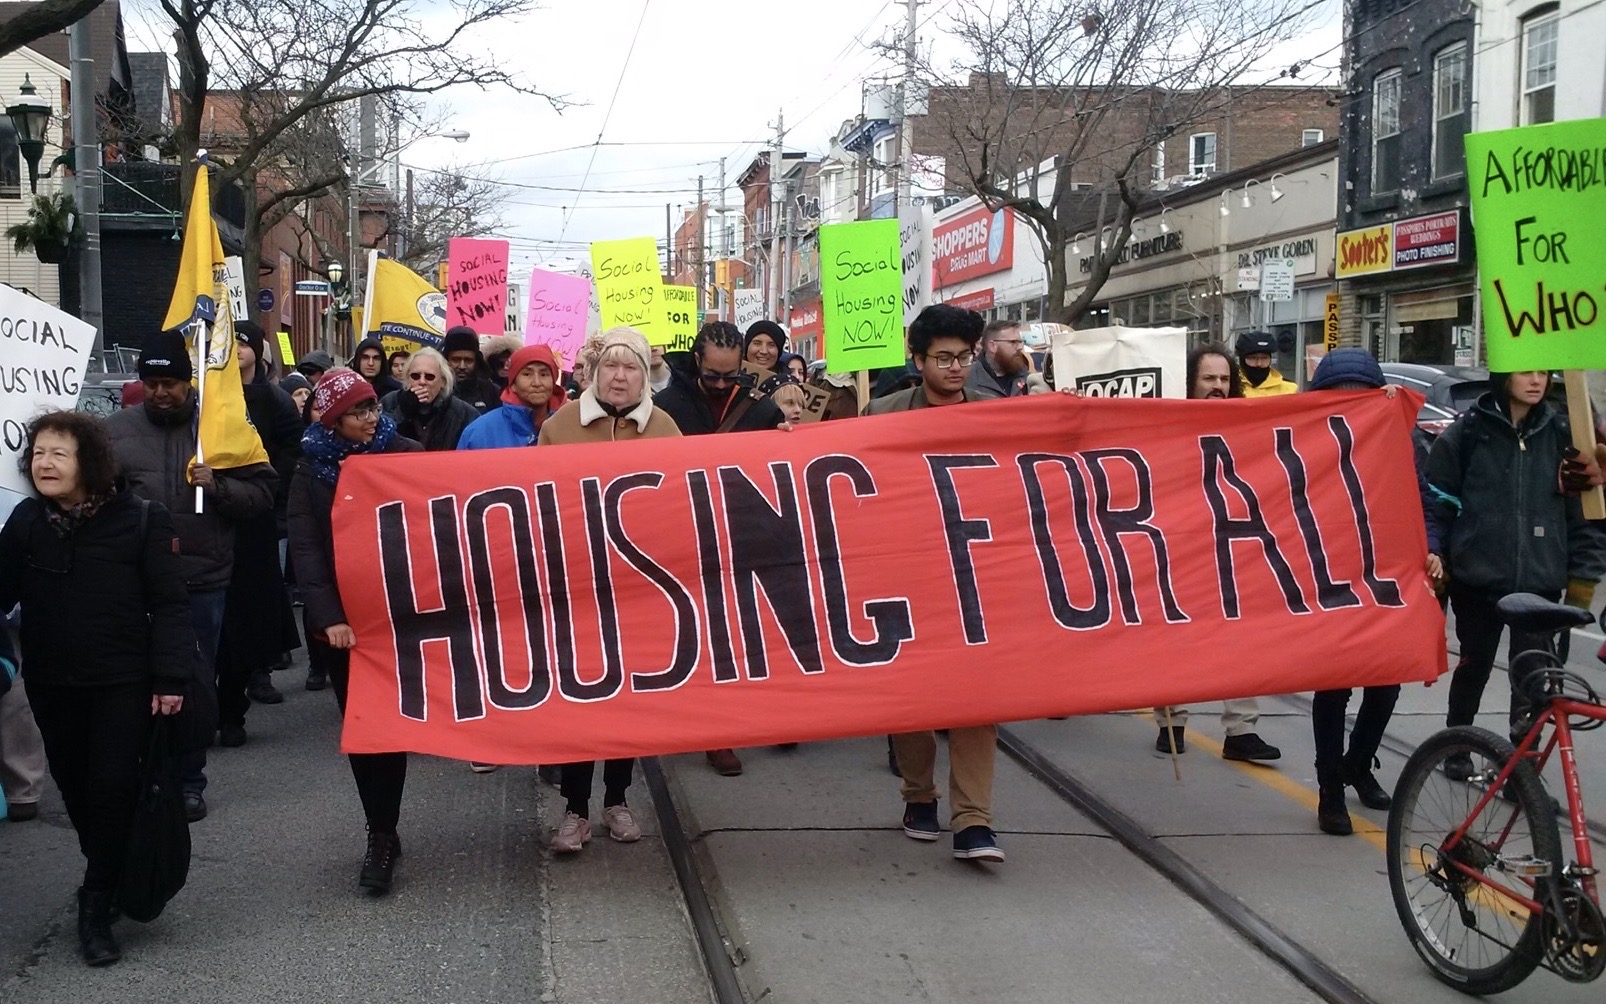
x=455 y=202
x=41 y=19
x=1056 y=106
x=294 y=73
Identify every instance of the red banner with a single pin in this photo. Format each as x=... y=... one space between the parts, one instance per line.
x=943 y=567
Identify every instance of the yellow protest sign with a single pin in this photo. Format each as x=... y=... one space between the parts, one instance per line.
x=680 y=317
x=287 y=354
x=630 y=286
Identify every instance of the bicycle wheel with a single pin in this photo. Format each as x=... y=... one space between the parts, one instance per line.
x=1473 y=936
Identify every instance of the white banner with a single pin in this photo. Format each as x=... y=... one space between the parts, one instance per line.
x=236 y=283
x=1122 y=362
x=43 y=354
x=914 y=237
x=749 y=307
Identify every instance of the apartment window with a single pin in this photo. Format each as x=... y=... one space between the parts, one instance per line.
x=1386 y=132
x=1201 y=153
x=1310 y=137
x=10 y=161
x=1159 y=163
x=1449 y=111
x=1539 y=37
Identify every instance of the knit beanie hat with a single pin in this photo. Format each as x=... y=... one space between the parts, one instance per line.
x=631 y=339
x=292 y=382
x=460 y=339
x=165 y=355
x=338 y=392
x=1347 y=366
x=535 y=354
x=251 y=333
x=775 y=331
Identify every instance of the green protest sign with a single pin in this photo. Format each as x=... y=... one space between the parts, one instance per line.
x=1539 y=205
x=861 y=284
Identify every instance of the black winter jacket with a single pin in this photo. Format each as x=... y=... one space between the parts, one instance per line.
x=1507 y=527
x=684 y=401
x=278 y=424
x=154 y=458
x=100 y=607
x=450 y=416
x=312 y=541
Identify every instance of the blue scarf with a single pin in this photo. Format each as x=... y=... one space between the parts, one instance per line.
x=328 y=451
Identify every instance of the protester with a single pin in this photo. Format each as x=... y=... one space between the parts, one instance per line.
x=397 y=366
x=793 y=367
x=1212 y=376
x=1507 y=528
x=999 y=371
x=154 y=446
x=792 y=400
x=426 y=410
x=531 y=397
x=1260 y=379
x=843 y=391
x=617 y=406
x=349 y=424
x=314 y=365
x=499 y=351
x=299 y=389
x=658 y=377
x=707 y=394
x=258 y=622
x=132 y=395
x=763 y=345
x=471 y=377
x=369 y=362
x=942 y=342
x=96 y=670
x=22 y=751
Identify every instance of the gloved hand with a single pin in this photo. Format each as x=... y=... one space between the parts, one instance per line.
x=1580 y=593
x=1580 y=471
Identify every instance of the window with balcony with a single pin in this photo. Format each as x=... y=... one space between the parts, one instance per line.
x=1539 y=41
x=1449 y=111
x=1201 y=153
x=1386 y=132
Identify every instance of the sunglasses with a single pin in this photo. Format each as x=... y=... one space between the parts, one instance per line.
x=426 y=377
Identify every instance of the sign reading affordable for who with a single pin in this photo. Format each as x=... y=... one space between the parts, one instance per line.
x=976 y=243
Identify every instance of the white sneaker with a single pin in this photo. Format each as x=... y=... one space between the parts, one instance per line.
x=574 y=834
x=483 y=768
x=621 y=824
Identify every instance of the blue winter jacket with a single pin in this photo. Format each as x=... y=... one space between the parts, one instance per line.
x=509 y=425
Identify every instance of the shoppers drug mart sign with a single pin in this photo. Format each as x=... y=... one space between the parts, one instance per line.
x=975 y=243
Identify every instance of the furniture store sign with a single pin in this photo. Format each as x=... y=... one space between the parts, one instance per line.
x=1138 y=250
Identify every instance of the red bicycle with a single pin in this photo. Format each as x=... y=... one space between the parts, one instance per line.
x=1481 y=881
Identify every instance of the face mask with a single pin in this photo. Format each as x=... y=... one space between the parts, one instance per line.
x=1257 y=374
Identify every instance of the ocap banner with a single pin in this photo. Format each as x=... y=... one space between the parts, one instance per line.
x=680 y=317
x=43 y=355
x=883 y=575
x=1122 y=362
x=861 y=285
x=559 y=307
x=1539 y=204
x=476 y=289
x=630 y=286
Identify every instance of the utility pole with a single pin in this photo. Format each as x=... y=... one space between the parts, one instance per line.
x=777 y=196
x=905 y=175
x=724 y=249
x=669 y=244
x=702 y=241
x=86 y=173
x=407 y=226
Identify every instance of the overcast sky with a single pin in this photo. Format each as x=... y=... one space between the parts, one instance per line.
x=704 y=80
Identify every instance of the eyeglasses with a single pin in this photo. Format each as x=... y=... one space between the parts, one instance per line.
x=735 y=376
x=426 y=377
x=1008 y=341
x=364 y=410
x=947 y=360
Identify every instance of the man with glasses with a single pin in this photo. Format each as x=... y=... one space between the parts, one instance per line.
x=942 y=343
x=1001 y=369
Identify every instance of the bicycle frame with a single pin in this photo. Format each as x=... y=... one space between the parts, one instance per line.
x=1557 y=714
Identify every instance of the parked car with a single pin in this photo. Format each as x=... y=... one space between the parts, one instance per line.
x=1449 y=390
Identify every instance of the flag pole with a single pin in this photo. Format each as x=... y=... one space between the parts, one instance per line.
x=203 y=342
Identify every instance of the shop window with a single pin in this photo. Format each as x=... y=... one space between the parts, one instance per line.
x=1201 y=153
x=1310 y=137
x=1386 y=132
x=1449 y=111
x=10 y=161
x=1138 y=311
x=1540 y=33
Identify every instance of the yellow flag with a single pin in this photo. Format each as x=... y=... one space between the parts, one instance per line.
x=402 y=308
x=200 y=308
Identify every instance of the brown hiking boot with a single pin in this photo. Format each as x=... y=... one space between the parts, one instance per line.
x=725 y=762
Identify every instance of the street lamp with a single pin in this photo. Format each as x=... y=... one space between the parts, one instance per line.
x=30 y=117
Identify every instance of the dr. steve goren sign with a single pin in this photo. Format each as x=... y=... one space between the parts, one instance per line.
x=1539 y=205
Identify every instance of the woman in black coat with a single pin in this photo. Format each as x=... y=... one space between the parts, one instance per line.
x=106 y=640
x=349 y=423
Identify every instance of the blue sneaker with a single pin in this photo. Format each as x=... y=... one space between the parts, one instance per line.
x=977 y=843
x=920 y=820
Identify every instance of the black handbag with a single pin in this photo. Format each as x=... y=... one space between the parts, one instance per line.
x=158 y=858
x=196 y=721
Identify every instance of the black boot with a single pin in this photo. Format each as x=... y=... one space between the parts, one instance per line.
x=1332 y=815
x=1359 y=776
x=95 y=928
x=379 y=863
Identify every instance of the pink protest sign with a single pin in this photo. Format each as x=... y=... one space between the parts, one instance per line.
x=559 y=307
x=476 y=285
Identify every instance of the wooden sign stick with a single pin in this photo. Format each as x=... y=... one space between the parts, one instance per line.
x=1582 y=419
